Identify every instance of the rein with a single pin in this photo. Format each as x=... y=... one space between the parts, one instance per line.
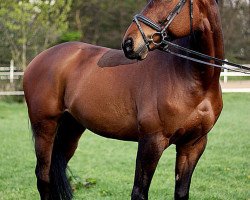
x=161 y=32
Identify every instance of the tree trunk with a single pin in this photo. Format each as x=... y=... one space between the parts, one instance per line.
x=24 y=55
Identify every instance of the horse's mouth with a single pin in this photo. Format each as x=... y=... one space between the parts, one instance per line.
x=140 y=54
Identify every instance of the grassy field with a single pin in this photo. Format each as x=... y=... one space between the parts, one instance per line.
x=106 y=167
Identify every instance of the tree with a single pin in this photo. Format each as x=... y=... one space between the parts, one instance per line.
x=103 y=22
x=235 y=16
x=30 y=26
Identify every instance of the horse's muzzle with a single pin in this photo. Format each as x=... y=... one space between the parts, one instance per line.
x=131 y=52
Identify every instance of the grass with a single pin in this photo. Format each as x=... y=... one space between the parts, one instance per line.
x=105 y=168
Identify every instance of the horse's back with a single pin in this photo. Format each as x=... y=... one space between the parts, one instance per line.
x=60 y=56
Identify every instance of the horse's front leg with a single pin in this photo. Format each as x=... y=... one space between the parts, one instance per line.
x=186 y=160
x=150 y=149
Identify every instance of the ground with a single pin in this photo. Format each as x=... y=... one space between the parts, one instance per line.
x=104 y=168
x=236 y=84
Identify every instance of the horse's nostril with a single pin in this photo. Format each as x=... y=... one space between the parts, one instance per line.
x=128 y=45
x=128 y=48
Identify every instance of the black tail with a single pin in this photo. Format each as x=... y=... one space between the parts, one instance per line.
x=60 y=188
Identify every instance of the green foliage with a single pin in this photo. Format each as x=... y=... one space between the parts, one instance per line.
x=223 y=173
x=70 y=36
x=77 y=183
x=29 y=27
x=103 y=22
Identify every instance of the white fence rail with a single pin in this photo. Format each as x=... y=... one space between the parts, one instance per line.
x=230 y=86
x=12 y=93
x=225 y=74
x=10 y=73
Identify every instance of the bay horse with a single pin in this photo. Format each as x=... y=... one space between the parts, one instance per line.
x=158 y=101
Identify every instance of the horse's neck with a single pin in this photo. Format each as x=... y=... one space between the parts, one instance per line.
x=210 y=42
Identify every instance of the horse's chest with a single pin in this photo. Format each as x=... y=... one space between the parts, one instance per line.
x=192 y=124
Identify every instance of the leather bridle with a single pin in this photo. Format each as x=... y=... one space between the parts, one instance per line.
x=161 y=30
x=162 y=39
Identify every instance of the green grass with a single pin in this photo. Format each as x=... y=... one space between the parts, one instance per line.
x=107 y=166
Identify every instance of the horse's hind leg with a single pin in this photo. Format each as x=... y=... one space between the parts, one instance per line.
x=186 y=160
x=44 y=132
x=55 y=142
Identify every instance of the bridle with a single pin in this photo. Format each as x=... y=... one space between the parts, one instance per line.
x=161 y=30
x=162 y=39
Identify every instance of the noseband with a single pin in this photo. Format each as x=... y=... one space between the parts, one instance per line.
x=165 y=38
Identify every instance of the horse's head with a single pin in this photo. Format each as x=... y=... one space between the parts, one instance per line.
x=162 y=19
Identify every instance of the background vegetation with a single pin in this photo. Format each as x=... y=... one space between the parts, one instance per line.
x=104 y=168
x=30 y=26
